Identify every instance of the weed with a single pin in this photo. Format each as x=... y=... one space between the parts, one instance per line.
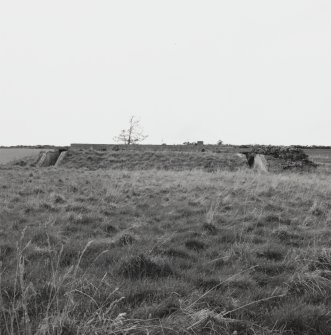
x=273 y=253
x=126 y=239
x=210 y=228
x=176 y=253
x=322 y=261
x=57 y=198
x=143 y=266
x=109 y=228
x=195 y=245
x=300 y=318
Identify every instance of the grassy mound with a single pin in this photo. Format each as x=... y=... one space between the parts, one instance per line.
x=144 y=160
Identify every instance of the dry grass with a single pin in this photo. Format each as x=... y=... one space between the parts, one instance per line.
x=164 y=252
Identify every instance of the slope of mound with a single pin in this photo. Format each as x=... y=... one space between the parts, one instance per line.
x=144 y=160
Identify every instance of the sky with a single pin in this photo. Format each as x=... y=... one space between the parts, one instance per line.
x=245 y=72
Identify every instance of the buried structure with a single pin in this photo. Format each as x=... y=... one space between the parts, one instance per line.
x=258 y=163
x=51 y=158
x=276 y=159
x=258 y=158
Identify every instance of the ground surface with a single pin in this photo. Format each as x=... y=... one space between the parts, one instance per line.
x=164 y=252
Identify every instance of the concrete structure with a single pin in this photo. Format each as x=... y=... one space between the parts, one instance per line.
x=260 y=163
x=60 y=158
x=48 y=158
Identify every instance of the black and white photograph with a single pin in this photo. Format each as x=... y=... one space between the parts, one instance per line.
x=165 y=167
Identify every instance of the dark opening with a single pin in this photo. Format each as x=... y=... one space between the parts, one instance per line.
x=250 y=158
x=250 y=161
x=62 y=149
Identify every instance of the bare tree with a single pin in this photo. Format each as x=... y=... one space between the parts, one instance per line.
x=134 y=133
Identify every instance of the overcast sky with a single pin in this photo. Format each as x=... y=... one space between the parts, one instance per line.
x=256 y=71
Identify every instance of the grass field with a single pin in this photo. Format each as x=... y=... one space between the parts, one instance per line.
x=8 y=155
x=164 y=252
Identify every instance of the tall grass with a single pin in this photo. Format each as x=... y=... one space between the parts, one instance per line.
x=153 y=252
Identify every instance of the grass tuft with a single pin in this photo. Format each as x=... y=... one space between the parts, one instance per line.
x=195 y=245
x=137 y=267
